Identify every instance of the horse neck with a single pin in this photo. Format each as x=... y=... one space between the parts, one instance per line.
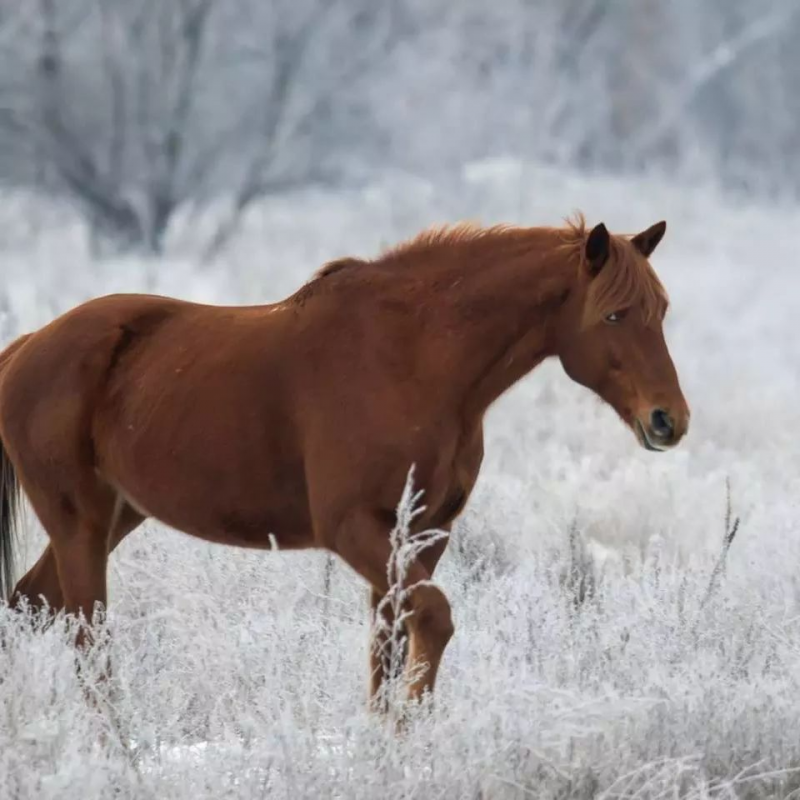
x=498 y=322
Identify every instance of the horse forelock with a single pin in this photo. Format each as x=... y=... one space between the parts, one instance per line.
x=626 y=280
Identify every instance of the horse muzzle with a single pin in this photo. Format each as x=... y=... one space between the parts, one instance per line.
x=659 y=430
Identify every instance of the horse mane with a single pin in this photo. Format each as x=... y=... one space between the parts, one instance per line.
x=626 y=279
x=454 y=236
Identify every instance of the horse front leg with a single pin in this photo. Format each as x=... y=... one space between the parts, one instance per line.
x=363 y=542
x=387 y=658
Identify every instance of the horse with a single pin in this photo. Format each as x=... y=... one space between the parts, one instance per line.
x=296 y=422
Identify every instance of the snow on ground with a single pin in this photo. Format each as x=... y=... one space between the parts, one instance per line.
x=591 y=658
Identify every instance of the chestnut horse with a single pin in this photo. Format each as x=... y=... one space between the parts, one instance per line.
x=300 y=420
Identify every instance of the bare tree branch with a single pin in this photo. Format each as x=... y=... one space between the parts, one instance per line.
x=283 y=119
x=722 y=57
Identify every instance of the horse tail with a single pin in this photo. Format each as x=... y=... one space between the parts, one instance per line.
x=9 y=496
x=9 y=501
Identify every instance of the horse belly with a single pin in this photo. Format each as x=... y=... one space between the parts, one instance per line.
x=225 y=471
x=266 y=513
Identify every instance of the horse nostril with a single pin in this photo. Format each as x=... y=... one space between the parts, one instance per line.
x=661 y=424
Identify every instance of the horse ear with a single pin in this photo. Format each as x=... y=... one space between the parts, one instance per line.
x=597 y=246
x=647 y=241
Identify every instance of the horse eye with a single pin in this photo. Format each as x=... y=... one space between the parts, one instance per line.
x=617 y=316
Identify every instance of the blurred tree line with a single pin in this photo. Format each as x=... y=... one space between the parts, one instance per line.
x=138 y=109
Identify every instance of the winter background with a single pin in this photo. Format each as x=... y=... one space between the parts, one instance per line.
x=608 y=643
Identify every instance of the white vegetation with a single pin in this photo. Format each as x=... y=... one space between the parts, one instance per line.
x=597 y=653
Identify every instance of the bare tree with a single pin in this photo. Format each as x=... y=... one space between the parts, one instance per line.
x=307 y=73
x=91 y=175
x=705 y=67
x=140 y=107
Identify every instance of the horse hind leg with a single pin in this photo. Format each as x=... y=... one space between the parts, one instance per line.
x=82 y=554
x=83 y=526
x=82 y=557
x=40 y=587
x=83 y=531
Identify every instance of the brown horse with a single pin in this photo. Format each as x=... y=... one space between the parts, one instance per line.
x=302 y=418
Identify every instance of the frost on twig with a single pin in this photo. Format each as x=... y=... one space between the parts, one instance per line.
x=578 y=580
x=390 y=638
x=731 y=529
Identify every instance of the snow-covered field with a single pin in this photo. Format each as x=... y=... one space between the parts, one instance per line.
x=595 y=656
